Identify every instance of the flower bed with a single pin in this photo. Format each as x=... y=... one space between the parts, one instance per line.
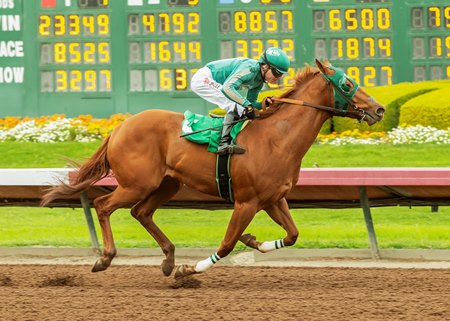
x=400 y=135
x=57 y=128
x=85 y=128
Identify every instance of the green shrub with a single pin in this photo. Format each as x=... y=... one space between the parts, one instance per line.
x=390 y=120
x=392 y=97
x=393 y=109
x=431 y=109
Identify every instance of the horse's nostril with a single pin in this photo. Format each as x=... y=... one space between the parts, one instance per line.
x=380 y=111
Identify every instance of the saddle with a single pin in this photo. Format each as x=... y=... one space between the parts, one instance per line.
x=206 y=129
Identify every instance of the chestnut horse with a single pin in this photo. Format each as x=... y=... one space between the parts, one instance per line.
x=151 y=163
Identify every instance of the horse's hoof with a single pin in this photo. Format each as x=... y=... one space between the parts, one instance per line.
x=99 y=266
x=167 y=267
x=184 y=270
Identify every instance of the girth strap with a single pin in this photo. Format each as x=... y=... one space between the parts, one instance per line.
x=223 y=177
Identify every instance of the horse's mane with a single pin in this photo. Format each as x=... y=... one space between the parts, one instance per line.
x=303 y=76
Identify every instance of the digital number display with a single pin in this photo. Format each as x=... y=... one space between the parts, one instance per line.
x=76 y=80
x=256 y=21
x=438 y=17
x=432 y=47
x=155 y=46
x=247 y=31
x=352 y=19
x=164 y=46
x=371 y=76
x=357 y=37
x=60 y=47
x=164 y=51
x=164 y=79
x=75 y=53
x=73 y=25
x=354 y=48
x=176 y=23
x=242 y=48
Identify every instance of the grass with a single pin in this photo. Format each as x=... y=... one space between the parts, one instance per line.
x=425 y=155
x=39 y=155
x=396 y=227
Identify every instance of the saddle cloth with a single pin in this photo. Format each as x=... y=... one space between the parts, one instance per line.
x=194 y=122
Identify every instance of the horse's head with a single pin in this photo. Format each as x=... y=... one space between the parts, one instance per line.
x=349 y=98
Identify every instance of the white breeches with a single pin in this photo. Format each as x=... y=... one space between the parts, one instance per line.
x=205 y=86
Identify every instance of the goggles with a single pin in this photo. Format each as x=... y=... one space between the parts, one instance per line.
x=276 y=73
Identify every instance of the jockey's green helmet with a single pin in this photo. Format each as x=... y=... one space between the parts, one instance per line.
x=276 y=58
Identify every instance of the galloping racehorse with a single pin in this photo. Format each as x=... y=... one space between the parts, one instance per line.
x=151 y=163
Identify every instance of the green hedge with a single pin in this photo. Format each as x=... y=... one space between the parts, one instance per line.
x=431 y=109
x=393 y=97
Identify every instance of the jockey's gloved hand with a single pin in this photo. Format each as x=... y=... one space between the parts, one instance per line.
x=249 y=112
x=267 y=101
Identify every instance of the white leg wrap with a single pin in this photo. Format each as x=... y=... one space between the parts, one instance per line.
x=270 y=246
x=202 y=266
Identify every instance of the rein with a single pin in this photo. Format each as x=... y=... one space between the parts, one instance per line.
x=361 y=114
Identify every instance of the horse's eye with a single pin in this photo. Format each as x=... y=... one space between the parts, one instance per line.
x=347 y=86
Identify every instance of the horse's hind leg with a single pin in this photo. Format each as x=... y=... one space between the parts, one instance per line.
x=105 y=206
x=279 y=212
x=143 y=212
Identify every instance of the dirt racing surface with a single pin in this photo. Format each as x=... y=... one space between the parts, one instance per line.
x=69 y=292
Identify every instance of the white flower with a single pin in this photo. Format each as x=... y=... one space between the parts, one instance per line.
x=59 y=130
x=400 y=135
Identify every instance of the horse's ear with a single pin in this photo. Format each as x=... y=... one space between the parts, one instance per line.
x=319 y=65
x=323 y=67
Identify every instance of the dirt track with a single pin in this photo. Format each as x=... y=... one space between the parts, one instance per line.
x=63 y=292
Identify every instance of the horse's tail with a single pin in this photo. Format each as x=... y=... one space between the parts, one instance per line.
x=91 y=171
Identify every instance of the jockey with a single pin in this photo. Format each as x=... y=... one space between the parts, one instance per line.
x=219 y=83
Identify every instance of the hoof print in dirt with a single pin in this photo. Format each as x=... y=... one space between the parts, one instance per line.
x=68 y=280
x=187 y=282
x=5 y=281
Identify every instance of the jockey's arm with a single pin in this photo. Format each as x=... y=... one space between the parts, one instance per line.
x=252 y=95
x=232 y=84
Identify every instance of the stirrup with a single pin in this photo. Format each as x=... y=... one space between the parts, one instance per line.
x=236 y=149
x=230 y=149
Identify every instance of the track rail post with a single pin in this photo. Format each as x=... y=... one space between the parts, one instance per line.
x=90 y=222
x=369 y=223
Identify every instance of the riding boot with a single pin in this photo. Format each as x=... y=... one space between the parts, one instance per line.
x=225 y=144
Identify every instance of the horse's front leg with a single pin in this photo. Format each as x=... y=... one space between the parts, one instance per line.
x=241 y=218
x=279 y=212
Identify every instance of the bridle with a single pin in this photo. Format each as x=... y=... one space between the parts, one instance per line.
x=343 y=97
x=359 y=113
